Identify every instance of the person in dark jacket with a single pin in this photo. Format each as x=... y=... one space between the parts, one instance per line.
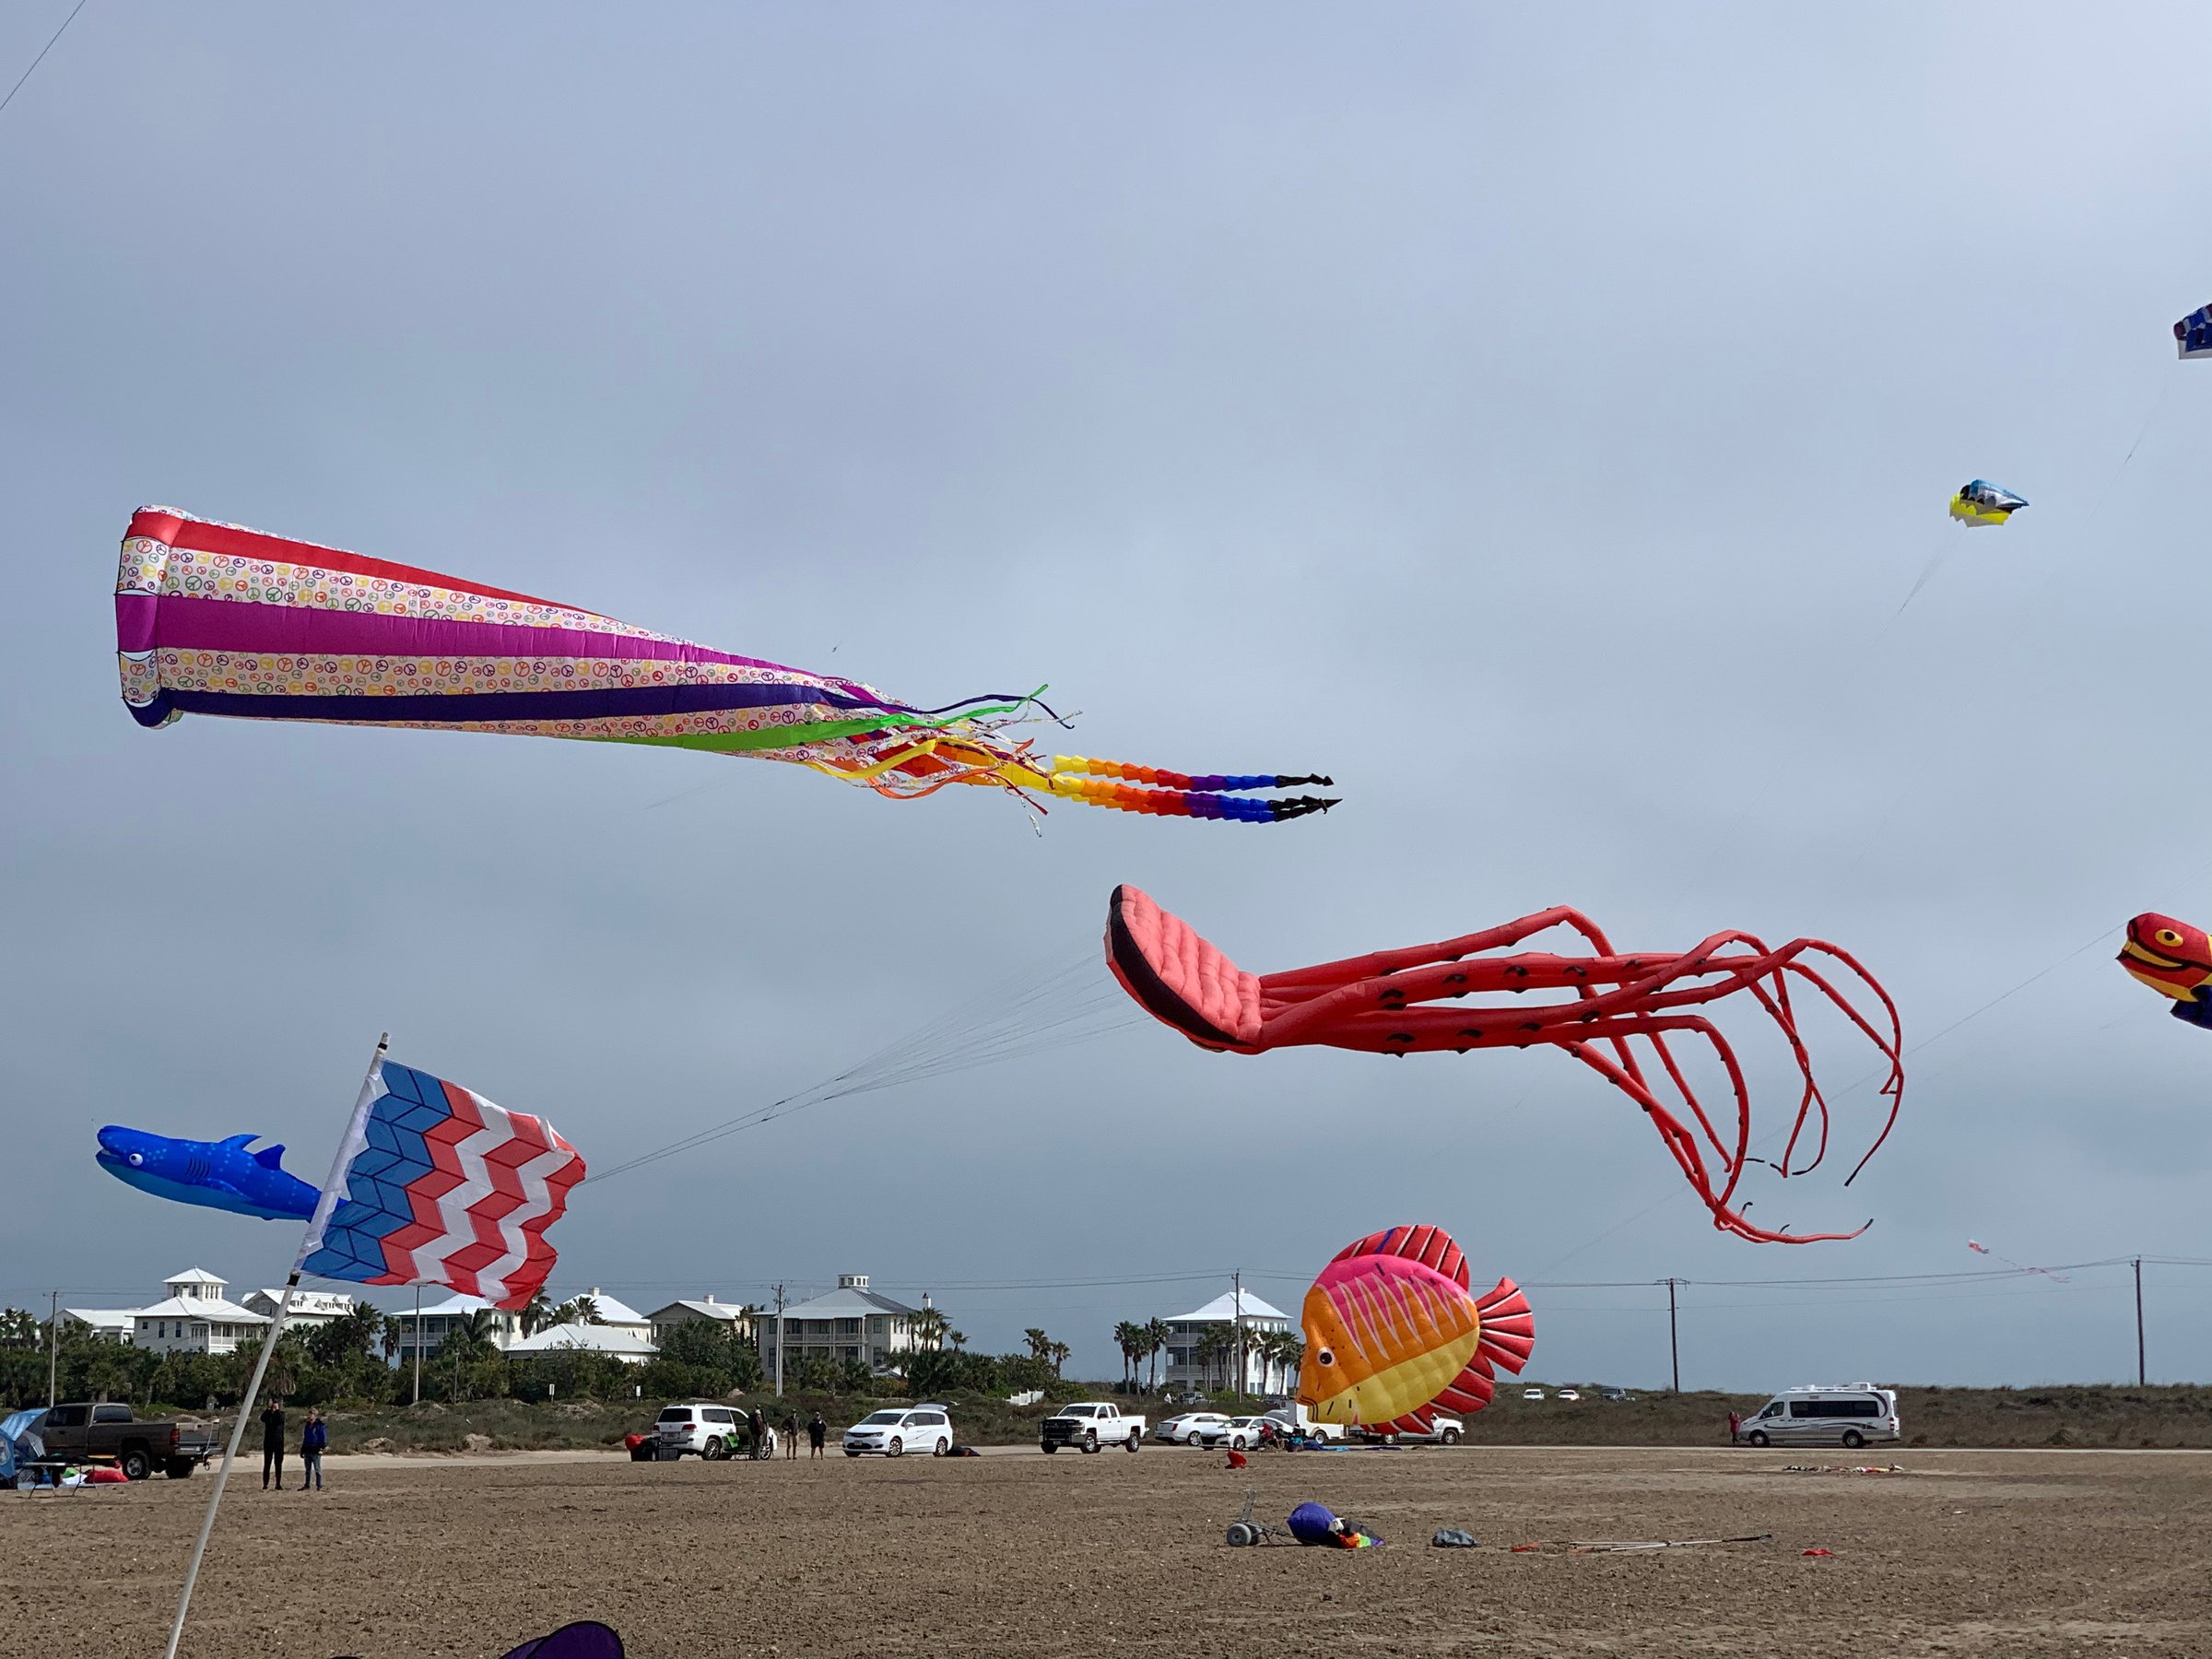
x=759 y=1425
x=312 y=1438
x=272 y=1444
x=791 y=1435
x=817 y=1432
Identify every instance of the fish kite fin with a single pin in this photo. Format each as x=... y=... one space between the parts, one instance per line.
x=1431 y=1246
x=1509 y=1336
x=237 y=1141
x=271 y=1157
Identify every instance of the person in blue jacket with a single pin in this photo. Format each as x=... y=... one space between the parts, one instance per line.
x=312 y=1438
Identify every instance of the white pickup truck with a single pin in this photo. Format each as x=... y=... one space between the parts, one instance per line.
x=1090 y=1424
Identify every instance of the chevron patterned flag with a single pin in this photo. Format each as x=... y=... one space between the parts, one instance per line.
x=441 y=1187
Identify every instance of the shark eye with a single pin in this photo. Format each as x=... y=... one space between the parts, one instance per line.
x=2167 y=936
x=1326 y=1357
x=137 y=1158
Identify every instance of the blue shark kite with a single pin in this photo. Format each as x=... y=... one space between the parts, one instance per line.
x=219 y=1175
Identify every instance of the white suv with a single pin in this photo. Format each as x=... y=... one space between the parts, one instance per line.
x=896 y=1431
x=703 y=1429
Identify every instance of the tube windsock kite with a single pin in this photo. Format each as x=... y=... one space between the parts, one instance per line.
x=1392 y=1001
x=214 y=619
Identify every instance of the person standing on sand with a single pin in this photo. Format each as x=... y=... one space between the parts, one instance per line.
x=312 y=1438
x=791 y=1435
x=1734 y=1422
x=272 y=1443
x=758 y=1422
x=817 y=1432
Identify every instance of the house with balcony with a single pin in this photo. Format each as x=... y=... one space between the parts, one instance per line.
x=310 y=1309
x=849 y=1324
x=502 y=1328
x=197 y=1317
x=1188 y=1341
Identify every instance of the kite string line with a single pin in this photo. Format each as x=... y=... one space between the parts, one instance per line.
x=41 y=57
x=954 y=1041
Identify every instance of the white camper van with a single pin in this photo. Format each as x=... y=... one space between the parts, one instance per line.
x=1849 y=1414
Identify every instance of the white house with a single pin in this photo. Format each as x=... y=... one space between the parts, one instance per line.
x=618 y=1316
x=620 y=1341
x=117 y=1324
x=734 y=1317
x=851 y=1323
x=309 y=1309
x=503 y=1329
x=195 y=1317
x=1225 y=1313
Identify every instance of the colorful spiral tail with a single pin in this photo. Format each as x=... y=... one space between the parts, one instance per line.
x=1127 y=787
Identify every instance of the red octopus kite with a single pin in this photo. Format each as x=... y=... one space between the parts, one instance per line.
x=1381 y=1004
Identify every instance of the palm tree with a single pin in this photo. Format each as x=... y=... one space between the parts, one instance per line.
x=1129 y=1336
x=540 y=1314
x=1059 y=1353
x=1212 y=1346
x=1155 y=1339
x=1041 y=1346
x=929 y=1327
x=1290 y=1353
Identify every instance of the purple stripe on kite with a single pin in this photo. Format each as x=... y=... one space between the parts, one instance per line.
x=135 y=615
x=194 y=624
x=445 y=708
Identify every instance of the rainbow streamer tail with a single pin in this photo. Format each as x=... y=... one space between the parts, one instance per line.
x=1127 y=787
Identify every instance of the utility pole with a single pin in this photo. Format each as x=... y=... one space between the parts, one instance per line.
x=1674 y=1344
x=779 y=1342
x=53 y=1341
x=418 y=1345
x=2141 y=1375
x=1236 y=1284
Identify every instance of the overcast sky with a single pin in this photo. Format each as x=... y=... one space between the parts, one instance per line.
x=1532 y=417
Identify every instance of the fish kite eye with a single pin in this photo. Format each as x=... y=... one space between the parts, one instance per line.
x=2166 y=935
x=1326 y=1357
x=136 y=1160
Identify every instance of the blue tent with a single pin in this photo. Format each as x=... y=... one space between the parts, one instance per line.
x=20 y=1441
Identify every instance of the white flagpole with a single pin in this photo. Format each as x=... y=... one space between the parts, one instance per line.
x=355 y=1137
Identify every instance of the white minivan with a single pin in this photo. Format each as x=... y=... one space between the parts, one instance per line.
x=1850 y=1414
x=895 y=1432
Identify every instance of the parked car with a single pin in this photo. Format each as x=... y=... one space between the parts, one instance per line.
x=1292 y=1420
x=704 y=1429
x=139 y=1445
x=1615 y=1394
x=1532 y=1393
x=1570 y=1393
x=1185 y=1429
x=899 y=1430
x=1090 y=1424
x=1240 y=1434
x=1847 y=1415
x=1443 y=1429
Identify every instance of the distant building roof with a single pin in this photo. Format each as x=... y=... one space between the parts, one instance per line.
x=846 y=1303
x=1223 y=1309
x=308 y=1302
x=102 y=1318
x=595 y=1338
x=613 y=1310
x=194 y=1276
x=454 y=1306
x=708 y=1309
x=201 y=1307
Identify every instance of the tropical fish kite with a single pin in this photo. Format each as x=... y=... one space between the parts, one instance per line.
x=2174 y=959
x=213 y=618
x=220 y=1174
x=2192 y=334
x=1392 y=1332
x=1981 y=504
x=1385 y=1004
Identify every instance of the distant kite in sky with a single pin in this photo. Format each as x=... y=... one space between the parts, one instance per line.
x=2192 y=334
x=213 y=618
x=2173 y=959
x=1375 y=1004
x=1981 y=504
x=1392 y=1332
